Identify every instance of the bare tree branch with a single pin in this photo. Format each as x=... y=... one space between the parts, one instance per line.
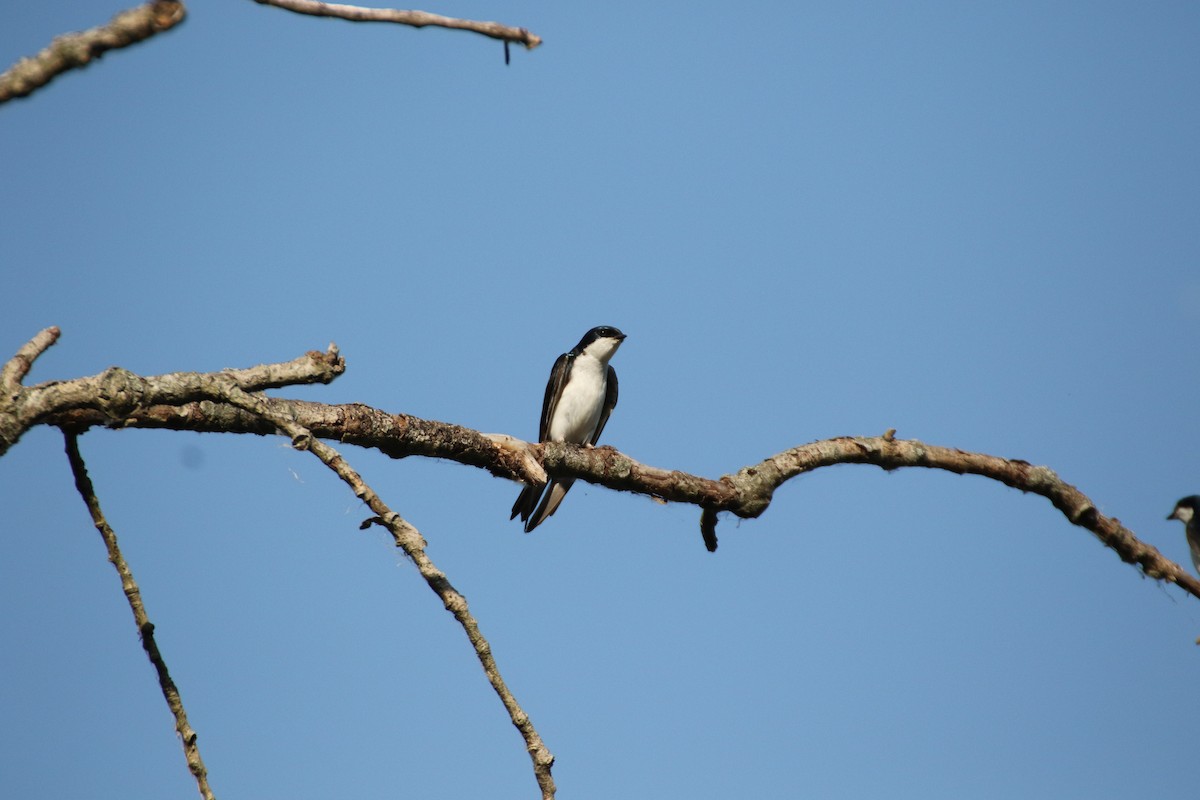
x=409 y=539
x=394 y=435
x=133 y=594
x=415 y=19
x=230 y=401
x=116 y=393
x=77 y=50
x=755 y=484
x=119 y=399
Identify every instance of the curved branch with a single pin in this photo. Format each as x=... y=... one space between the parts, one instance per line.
x=172 y=401
x=77 y=50
x=755 y=484
x=414 y=19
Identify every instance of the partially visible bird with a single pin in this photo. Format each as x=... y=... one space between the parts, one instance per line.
x=580 y=396
x=1185 y=512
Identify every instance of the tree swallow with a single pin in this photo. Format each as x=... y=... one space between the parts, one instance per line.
x=580 y=395
x=1185 y=512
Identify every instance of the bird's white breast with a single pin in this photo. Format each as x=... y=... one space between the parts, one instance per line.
x=578 y=410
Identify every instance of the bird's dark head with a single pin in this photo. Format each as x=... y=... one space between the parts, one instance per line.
x=601 y=332
x=601 y=342
x=1186 y=509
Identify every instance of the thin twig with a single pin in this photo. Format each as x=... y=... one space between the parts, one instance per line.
x=409 y=539
x=414 y=19
x=76 y=50
x=187 y=736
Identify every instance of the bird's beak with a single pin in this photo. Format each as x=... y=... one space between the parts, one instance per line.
x=1173 y=514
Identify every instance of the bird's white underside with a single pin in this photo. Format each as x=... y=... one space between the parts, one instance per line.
x=578 y=410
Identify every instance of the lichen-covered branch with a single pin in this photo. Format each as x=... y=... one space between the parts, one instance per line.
x=754 y=485
x=119 y=399
x=414 y=19
x=133 y=595
x=116 y=393
x=77 y=50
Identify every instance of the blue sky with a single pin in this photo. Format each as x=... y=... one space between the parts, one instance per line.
x=974 y=223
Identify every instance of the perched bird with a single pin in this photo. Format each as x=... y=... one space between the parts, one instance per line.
x=580 y=395
x=1185 y=512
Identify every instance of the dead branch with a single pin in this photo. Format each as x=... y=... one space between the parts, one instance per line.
x=119 y=399
x=118 y=393
x=77 y=50
x=133 y=595
x=408 y=539
x=414 y=19
x=230 y=401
